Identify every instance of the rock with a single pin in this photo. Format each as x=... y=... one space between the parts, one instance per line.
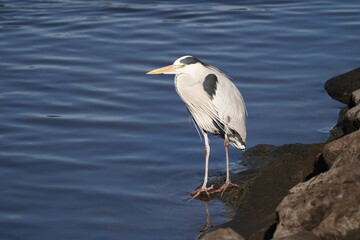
x=267 y=185
x=302 y=235
x=349 y=118
x=223 y=234
x=332 y=149
x=355 y=98
x=338 y=130
x=341 y=87
x=352 y=119
x=327 y=205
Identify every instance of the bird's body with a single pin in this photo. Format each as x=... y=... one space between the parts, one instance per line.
x=218 y=108
x=214 y=103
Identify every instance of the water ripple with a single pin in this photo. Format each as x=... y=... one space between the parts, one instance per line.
x=93 y=145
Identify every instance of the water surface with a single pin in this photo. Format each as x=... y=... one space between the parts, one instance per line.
x=92 y=148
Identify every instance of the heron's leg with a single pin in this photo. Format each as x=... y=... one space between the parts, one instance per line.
x=226 y=144
x=204 y=187
x=207 y=155
x=227 y=182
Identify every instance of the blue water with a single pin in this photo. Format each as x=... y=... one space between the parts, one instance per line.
x=92 y=148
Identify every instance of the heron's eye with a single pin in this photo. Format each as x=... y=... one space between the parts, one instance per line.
x=183 y=65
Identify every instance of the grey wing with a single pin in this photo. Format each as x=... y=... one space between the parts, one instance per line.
x=232 y=110
x=197 y=101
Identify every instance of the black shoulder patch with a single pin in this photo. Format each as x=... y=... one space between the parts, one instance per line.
x=190 y=60
x=210 y=85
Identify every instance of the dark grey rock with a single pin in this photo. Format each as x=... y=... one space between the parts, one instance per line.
x=223 y=234
x=327 y=205
x=341 y=87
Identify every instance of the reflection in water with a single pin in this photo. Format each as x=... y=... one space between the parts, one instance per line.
x=207 y=223
x=228 y=204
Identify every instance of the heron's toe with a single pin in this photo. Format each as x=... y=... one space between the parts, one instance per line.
x=201 y=190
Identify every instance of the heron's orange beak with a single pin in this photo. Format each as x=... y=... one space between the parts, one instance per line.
x=166 y=70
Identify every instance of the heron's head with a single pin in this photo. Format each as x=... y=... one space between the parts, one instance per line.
x=185 y=64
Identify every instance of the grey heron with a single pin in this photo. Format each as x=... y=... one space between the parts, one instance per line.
x=215 y=105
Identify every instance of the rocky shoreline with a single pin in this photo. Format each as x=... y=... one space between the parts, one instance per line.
x=301 y=191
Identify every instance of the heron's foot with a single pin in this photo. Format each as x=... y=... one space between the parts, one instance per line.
x=223 y=188
x=201 y=190
x=206 y=227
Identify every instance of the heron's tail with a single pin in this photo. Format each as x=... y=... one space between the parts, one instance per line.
x=237 y=145
x=237 y=141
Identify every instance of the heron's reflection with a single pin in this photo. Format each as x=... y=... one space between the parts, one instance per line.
x=207 y=223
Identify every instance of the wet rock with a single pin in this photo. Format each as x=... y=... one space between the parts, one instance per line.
x=327 y=205
x=332 y=149
x=223 y=234
x=341 y=87
x=267 y=185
